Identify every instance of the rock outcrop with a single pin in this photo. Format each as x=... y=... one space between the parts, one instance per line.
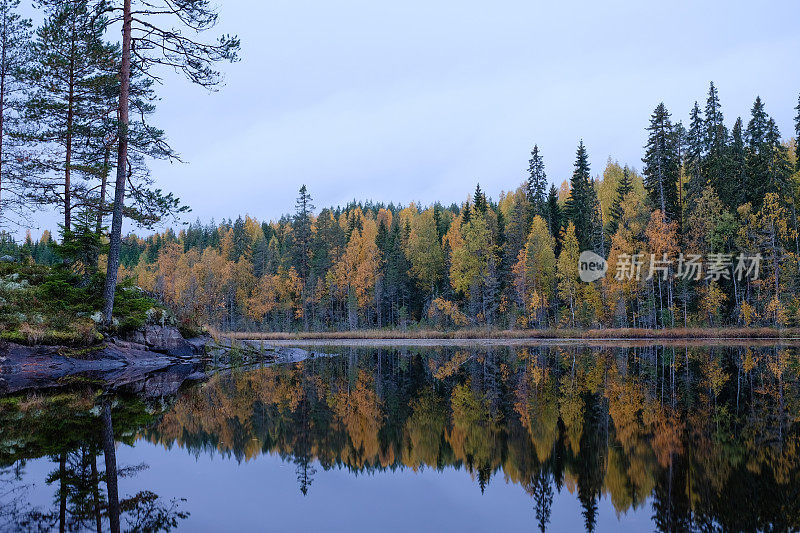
x=167 y=340
x=114 y=365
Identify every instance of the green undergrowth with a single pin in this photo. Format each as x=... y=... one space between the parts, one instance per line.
x=42 y=305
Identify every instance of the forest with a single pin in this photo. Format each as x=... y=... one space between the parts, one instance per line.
x=76 y=131
x=703 y=190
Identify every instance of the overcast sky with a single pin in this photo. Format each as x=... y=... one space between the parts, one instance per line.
x=419 y=100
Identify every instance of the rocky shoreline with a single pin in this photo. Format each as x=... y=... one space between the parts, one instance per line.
x=120 y=362
x=153 y=361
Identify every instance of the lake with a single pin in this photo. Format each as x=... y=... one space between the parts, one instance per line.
x=548 y=437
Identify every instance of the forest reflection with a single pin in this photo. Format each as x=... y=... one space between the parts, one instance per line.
x=701 y=438
x=77 y=431
x=706 y=437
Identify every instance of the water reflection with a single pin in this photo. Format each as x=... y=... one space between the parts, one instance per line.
x=76 y=430
x=700 y=437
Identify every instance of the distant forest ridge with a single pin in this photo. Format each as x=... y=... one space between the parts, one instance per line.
x=709 y=198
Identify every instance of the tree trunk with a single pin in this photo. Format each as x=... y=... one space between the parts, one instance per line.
x=3 y=69
x=62 y=493
x=70 y=124
x=96 y=490
x=122 y=166
x=110 y=454
x=103 y=185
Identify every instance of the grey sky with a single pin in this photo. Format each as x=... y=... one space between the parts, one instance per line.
x=419 y=100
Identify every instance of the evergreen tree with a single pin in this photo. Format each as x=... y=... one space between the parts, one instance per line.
x=479 y=201
x=757 y=154
x=716 y=136
x=15 y=35
x=661 y=164
x=767 y=166
x=241 y=242
x=693 y=156
x=156 y=42
x=736 y=168
x=580 y=205
x=624 y=187
x=71 y=61
x=598 y=226
x=780 y=168
x=302 y=232
x=536 y=188
x=554 y=217
x=466 y=214
x=797 y=133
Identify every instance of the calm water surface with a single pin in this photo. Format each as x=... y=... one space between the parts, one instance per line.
x=559 y=438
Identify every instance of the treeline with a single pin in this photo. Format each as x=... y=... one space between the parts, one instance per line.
x=75 y=117
x=513 y=263
x=704 y=191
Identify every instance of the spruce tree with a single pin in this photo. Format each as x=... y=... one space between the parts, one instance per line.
x=580 y=205
x=797 y=135
x=716 y=136
x=693 y=155
x=766 y=166
x=302 y=233
x=736 y=168
x=624 y=187
x=780 y=168
x=598 y=230
x=661 y=164
x=553 y=213
x=536 y=187
x=479 y=201
x=241 y=242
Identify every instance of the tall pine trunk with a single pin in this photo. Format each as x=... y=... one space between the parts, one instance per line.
x=110 y=456
x=101 y=204
x=122 y=166
x=3 y=72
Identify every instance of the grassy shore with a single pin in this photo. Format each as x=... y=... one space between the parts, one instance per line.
x=484 y=333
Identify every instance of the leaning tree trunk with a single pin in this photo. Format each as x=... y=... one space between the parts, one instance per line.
x=122 y=166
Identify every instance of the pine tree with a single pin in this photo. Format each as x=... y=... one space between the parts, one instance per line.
x=15 y=36
x=580 y=205
x=624 y=187
x=71 y=60
x=536 y=188
x=662 y=167
x=156 y=45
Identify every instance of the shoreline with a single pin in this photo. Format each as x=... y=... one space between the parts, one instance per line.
x=526 y=342
x=533 y=336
